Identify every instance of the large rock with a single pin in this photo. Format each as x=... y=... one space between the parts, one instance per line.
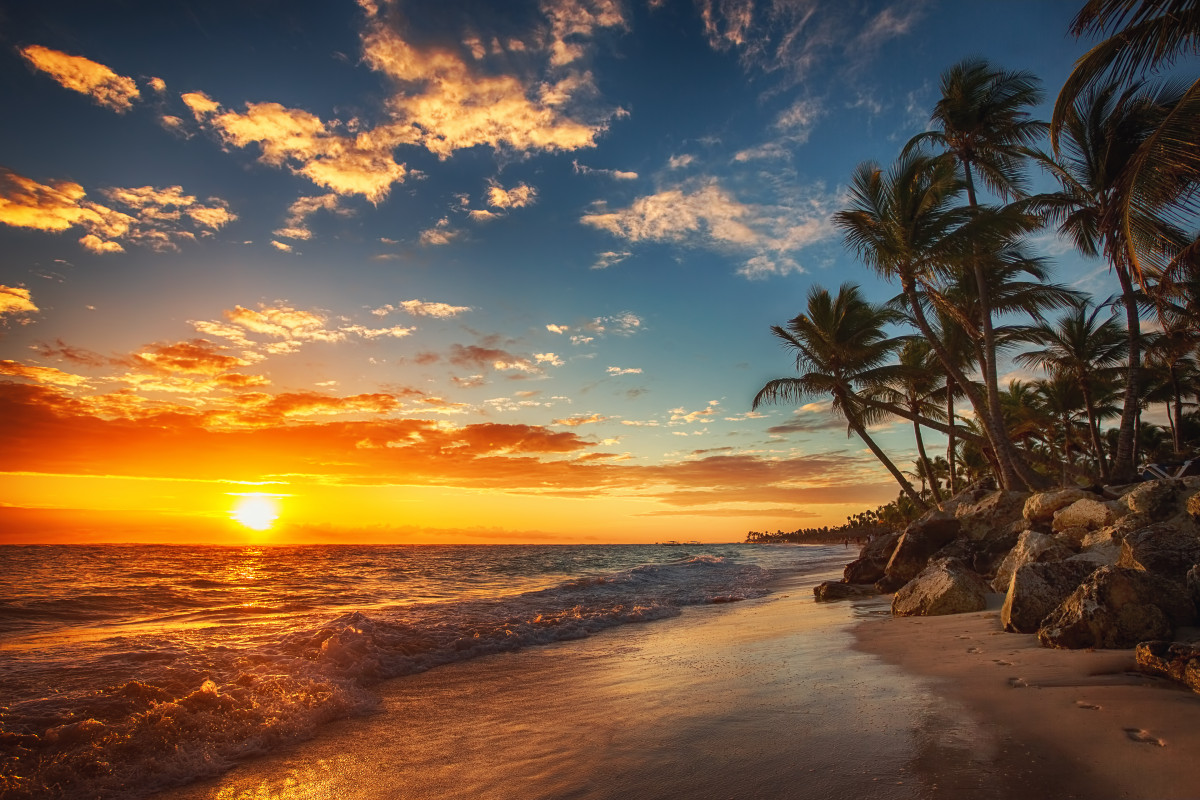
x=985 y=555
x=872 y=561
x=1038 y=588
x=1031 y=547
x=1193 y=506
x=946 y=586
x=1155 y=499
x=1117 y=607
x=1040 y=507
x=1163 y=548
x=1087 y=513
x=993 y=512
x=919 y=541
x=835 y=590
x=1178 y=661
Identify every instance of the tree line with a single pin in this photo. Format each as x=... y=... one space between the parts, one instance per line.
x=948 y=224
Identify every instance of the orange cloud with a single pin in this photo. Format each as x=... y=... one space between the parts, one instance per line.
x=41 y=374
x=16 y=300
x=85 y=76
x=346 y=163
x=155 y=217
x=449 y=105
x=198 y=356
x=519 y=196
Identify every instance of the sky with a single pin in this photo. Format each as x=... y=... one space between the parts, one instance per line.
x=387 y=271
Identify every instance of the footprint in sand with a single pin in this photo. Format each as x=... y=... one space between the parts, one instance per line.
x=1144 y=736
x=1088 y=706
x=974 y=650
x=1002 y=662
x=1018 y=683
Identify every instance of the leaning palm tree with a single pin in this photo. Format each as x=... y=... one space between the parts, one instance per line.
x=1085 y=344
x=906 y=225
x=841 y=348
x=983 y=123
x=916 y=386
x=1143 y=37
x=1098 y=209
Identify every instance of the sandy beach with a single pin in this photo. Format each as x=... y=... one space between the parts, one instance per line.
x=772 y=698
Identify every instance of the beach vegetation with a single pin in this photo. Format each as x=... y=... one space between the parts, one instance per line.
x=950 y=223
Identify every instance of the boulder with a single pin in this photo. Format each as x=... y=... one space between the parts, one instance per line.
x=1099 y=555
x=1040 y=507
x=835 y=590
x=1155 y=499
x=872 y=561
x=1072 y=537
x=1193 y=585
x=1163 y=548
x=1117 y=607
x=994 y=511
x=1038 y=588
x=946 y=586
x=889 y=584
x=1125 y=525
x=1178 y=661
x=919 y=541
x=1087 y=513
x=1193 y=506
x=1117 y=491
x=981 y=555
x=1030 y=547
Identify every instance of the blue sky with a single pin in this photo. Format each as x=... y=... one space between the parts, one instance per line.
x=573 y=219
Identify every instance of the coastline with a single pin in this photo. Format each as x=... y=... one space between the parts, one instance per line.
x=1069 y=723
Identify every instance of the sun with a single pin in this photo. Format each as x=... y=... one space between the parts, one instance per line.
x=256 y=511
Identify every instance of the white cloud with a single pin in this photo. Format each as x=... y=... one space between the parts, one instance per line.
x=519 y=196
x=610 y=258
x=423 y=308
x=624 y=371
x=621 y=175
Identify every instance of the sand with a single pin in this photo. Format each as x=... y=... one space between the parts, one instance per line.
x=1065 y=723
x=771 y=698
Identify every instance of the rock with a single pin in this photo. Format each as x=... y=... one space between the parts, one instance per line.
x=835 y=590
x=1099 y=555
x=1030 y=547
x=889 y=584
x=1155 y=499
x=1125 y=525
x=1117 y=607
x=1040 y=507
x=981 y=555
x=1038 y=588
x=919 y=541
x=1178 y=661
x=1193 y=585
x=1087 y=513
x=992 y=512
x=1162 y=548
x=946 y=586
x=1072 y=537
x=1193 y=506
x=1117 y=491
x=872 y=561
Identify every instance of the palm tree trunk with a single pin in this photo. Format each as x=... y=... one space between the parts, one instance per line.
x=950 y=443
x=1005 y=453
x=997 y=437
x=905 y=486
x=1123 y=469
x=937 y=495
x=1094 y=430
x=1176 y=433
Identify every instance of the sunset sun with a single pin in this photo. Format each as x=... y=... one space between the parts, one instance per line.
x=256 y=511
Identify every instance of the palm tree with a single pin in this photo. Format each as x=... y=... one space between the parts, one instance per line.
x=983 y=123
x=1085 y=347
x=916 y=385
x=1144 y=36
x=1174 y=372
x=1101 y=136
x=840 y=348
x=906 y=225
x=1061 y=402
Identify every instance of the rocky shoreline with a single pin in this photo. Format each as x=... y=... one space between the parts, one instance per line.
x=1111 y=568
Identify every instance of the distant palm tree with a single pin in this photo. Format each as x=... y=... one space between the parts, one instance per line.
x=840 y=348
x=916 y=386
x=1174 y=370
x=1086 y=344
x=1061 y=401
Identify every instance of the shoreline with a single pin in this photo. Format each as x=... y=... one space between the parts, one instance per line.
x=1073 y=723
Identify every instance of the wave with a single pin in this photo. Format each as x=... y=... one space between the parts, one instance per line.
x=155 y=711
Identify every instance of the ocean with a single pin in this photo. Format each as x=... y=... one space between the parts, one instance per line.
x=126 y=670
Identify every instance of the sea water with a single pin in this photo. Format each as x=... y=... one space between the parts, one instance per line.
x=128 y=669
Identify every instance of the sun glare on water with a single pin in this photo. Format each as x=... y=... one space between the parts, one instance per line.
x=256 y=511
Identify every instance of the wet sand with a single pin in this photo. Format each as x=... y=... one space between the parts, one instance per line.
x=772 y=698
x=1065 y=723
